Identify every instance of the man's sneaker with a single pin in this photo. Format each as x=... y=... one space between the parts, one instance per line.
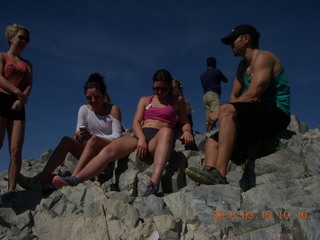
x=29 y=183
x=9 y=199
x=59 y=181
x=209 y=176
x=48 y=188
x=152 y=188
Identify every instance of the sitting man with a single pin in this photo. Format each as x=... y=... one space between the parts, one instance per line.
x=262 y=110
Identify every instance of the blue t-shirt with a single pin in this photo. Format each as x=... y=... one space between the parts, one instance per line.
x=211 y=80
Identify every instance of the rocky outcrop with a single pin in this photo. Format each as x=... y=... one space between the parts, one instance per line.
x=275 y=196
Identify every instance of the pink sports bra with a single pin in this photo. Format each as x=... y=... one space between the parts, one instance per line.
x=167 y=114
x=16 y=74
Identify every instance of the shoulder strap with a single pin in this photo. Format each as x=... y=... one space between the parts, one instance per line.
x=5 y=58
x=259 y=52
x=150 y=99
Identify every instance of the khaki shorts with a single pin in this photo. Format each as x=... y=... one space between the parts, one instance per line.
x=211 y=102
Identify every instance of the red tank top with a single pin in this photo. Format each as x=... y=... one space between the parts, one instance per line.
x=166 y=114
x=16 y=74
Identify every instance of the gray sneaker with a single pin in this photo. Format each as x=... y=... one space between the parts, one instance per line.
x=29 y=183
x=206 y=176
x=151 y=188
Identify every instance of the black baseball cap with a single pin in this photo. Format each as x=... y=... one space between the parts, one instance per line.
x=239 y=30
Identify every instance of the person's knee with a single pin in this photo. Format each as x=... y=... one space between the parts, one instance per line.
x=65 y=143
x=166 y=133
x=92 y=140
x=15 y=151
x=65 y=140
x=118 y=148
x=210 y=143
x=227 y=110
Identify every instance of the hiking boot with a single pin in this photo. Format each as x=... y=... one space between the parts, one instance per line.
x=209 y=176
x=29 y=182
x=59 y=181
x=152 y=188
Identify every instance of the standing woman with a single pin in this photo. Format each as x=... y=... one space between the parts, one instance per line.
x=153 y=126
x=15 y=87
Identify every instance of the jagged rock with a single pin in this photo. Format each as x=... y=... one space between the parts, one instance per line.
x=271 y=195
x=297 y=126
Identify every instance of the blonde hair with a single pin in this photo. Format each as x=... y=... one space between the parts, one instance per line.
x=13 y=29
x=177 y=87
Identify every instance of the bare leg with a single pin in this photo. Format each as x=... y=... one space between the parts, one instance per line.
x=92 y=148
x=16 y=130
x=3 y=127
x=160 y=146
x=211 y=152
x=115 y=150
x=227 y=136
x=58 y=156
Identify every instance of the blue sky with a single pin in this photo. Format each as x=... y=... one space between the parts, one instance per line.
x=128 y=41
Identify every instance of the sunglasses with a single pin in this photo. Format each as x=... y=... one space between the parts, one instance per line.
x=94 y=97
x=163 y=89
x=21 y=37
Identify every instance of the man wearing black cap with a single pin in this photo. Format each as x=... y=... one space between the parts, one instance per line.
x=259 y=105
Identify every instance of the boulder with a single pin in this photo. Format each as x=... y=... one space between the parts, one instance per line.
x=272 y=194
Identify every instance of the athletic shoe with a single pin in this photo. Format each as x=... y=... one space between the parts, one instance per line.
x=209 y=176
x=48 y=188
x=9 y=199
x=152 y=188
x=29 y=183
x=59 y=181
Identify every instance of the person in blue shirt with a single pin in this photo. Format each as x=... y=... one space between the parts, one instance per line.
x=211 y=83
x=259 y=105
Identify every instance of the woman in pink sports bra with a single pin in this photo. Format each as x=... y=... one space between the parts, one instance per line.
x=153 y=126
x=15 y=87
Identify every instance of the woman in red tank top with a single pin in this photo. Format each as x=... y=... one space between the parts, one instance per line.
x=15 y=87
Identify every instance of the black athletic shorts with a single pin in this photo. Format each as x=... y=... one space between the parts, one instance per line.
x=149 y=133
x=258 y=120
x=6 y=102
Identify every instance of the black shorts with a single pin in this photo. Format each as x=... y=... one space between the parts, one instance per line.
x=6 y=102
x=149 y=133
x=258 y=120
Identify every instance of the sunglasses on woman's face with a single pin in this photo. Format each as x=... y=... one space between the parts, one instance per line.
x=95 y=97
x=21 y=37
x=163 y=89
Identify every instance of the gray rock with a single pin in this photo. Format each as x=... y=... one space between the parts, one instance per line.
x=273 y=196
x=150 y=206
x=296 y=126
x=128 y=182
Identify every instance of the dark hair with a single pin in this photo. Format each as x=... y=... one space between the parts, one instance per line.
x=163 y=75
x=211 y=62
x=255 y=40
x=96 y=80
